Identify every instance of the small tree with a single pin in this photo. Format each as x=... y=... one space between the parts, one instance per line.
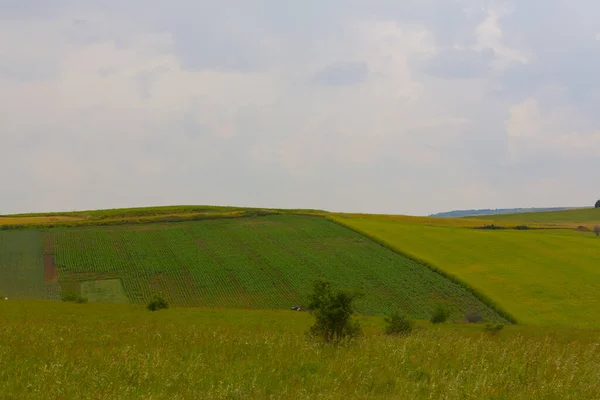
x=333 y=312
x=398 y=324
x=157 y=303
x=73 y=297
x=598 y=204
x=597 y=230
x=440 y=314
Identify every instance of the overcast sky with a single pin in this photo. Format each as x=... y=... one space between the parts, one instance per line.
x=379 y=106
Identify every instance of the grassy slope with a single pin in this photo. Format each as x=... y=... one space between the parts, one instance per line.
x=586 y=217
x=548 y=277
x=57 y=350
x=262 y=262
x=137 y=215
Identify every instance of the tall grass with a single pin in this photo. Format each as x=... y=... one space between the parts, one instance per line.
x=124 y=352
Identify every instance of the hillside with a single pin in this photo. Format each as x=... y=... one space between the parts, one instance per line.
x=548 y=277
x=254 y=262
x=584 y=216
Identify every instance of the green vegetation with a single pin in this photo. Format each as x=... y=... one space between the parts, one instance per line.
x=256 y=263
x=398 y=324
x=583 y=216
x=440 y=315
x=140 y=215
x=547 y=277
x=74 y=298
x=21 y=265
x=157 y=303
x=333 y=312
x=107 y=290
x=53 y=350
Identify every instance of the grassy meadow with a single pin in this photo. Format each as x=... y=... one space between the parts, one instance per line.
x=543 y=277
x=585 y=217
x=52 y=350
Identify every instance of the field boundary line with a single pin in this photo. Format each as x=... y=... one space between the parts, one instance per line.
x=475 y=292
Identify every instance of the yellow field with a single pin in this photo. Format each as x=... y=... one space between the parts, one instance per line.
x=37 y=220
x=544 y=277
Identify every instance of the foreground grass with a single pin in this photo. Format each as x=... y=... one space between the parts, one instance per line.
x=544 y=277
x=64 y=351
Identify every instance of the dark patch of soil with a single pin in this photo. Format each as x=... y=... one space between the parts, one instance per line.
x=50 y=271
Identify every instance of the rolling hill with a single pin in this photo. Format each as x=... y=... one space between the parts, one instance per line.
x=236 y=257
x=257 y=262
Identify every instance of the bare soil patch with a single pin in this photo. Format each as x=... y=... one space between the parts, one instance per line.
x=50 y=270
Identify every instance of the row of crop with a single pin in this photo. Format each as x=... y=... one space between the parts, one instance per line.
x=266 y=263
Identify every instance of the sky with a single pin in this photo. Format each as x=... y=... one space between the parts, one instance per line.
x=376 y=106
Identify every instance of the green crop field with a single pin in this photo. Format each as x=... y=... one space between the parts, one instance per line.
x=52 y=350
x=21 y=265
x=253 y=263
x=266 y=262
x=548 y=277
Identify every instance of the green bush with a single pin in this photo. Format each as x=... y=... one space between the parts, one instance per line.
x=398 y=324
x=157 y=303
x=493 y=328
x=440 y=314
x=333 y=313
x=74 y=297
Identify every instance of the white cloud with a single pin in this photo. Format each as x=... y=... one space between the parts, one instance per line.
x=118 y=108
x=489 y=36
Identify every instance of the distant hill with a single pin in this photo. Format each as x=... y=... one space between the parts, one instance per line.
x=488 y=211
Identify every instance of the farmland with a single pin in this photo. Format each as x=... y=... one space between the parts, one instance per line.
x=543 y=277
x=21 y=265
x=256 y=263
x=72 y=351
x=573 y=218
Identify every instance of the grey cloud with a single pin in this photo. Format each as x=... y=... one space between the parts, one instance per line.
x=460 y=64
x=23 y=70
x=343 y=74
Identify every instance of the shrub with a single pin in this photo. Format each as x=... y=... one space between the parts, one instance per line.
x=73 y=297
x=440 y=314
x=398 y=324
x=157 y=303
x=473 y=316
x=493 y=328
x=522 y=227
x=491 y=227
x=333 y=313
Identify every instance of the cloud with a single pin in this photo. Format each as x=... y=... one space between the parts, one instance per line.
x=342 y=74
x=352 y=106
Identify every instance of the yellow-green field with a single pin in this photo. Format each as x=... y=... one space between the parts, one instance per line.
x=584 y=217
x=51 y=350
x=544 y=277
x=41 y=220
